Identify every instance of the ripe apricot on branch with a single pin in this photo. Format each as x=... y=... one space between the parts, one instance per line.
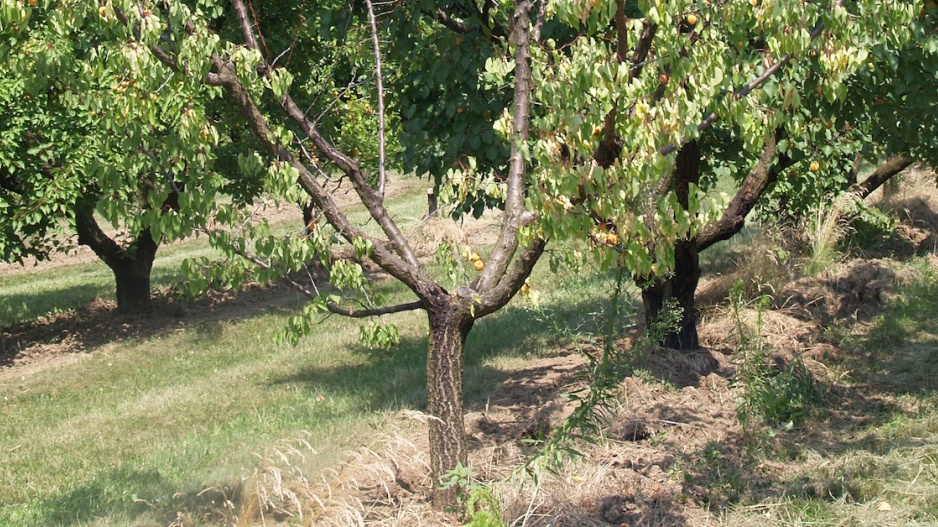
x=663 y=78
x=612 y=238
x=815 y=166
x=692 y=19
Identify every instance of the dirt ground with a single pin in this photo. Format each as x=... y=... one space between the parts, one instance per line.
x=672 y=446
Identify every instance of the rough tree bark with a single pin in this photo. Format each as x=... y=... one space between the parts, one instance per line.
x=131 y=265
x=755 y=184
x=451 y=314
x=449 y=325
x=682 y=283
x=883 y=173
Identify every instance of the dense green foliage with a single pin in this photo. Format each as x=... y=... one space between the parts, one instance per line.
x=94 y=126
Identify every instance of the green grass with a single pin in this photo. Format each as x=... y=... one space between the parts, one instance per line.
x=138 y=430
x=877 y=463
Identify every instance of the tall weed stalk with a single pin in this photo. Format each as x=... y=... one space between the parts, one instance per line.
x=827 y=227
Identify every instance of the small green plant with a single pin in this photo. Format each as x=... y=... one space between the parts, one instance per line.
x=767 y=394
x=481 y=504
x=602 y=376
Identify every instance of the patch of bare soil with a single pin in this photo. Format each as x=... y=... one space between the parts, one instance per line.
x=64 y=338
x=673 y=454
x=526 y=405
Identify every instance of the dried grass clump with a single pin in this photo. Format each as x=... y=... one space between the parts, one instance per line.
x=437 y=230
x=826 y=227
x=278 y=488
x=764 y=266
x=441 y=228
x=568 y=498
x=914 y=200
x=385 y=484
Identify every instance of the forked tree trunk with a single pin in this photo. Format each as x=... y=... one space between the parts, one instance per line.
x=131 y=265
x=449 y=326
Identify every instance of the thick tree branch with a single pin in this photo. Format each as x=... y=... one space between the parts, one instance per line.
x=349 y=166
x=507 y=242
x=753 y=186
x=91 y=235
x=379 y=80
x=883 y=173
x=225 y=77
x=514 y=278
x=611 y=145
x=452 y=23
x=622 y=32
x=246 y=29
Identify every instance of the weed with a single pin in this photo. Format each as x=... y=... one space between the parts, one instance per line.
x=482 y=508
x=767 y=394
x=826 y=228
x=602 y=377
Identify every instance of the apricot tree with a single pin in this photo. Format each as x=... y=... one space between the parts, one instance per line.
x=628 y=132
x=93 y=131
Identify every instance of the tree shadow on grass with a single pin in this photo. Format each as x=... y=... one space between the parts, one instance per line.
x=98 y=323
x=28 y=305
x=131 y=494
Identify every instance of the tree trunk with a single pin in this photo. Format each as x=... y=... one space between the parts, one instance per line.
x=682 y=283
x=132 y=274
x=449 y=326
x=883 y=175
x=680 y=286
x=131 y=265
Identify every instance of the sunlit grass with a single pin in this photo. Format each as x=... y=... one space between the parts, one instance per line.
x=135 y=431
x=884 y=469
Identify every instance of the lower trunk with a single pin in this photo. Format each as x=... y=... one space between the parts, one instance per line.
x=133 y=282
x=448 y=331
x=131 y=265
x=680 y=287
x=682 y=284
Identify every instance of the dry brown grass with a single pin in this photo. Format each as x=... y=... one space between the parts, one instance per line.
x=673 y=454
x=764 y=265
x=384 y=484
